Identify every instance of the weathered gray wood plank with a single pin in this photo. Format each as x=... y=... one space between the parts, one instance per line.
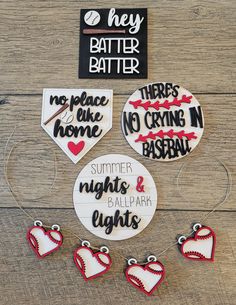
x=190 y=43
x=25 y=280
x=203 y=181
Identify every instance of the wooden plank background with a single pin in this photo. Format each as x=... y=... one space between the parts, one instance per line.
x=191 y=43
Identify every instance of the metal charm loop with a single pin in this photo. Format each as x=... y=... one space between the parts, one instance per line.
x=197 y=226
x=151 y=258
x=56 y=227
x=132 y=261
x=38 y=223
x=181 y=239
x=104 y=249
x=86 y=243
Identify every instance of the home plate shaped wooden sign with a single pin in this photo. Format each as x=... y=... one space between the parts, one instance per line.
x=76 y=119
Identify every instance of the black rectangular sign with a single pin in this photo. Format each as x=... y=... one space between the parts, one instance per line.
x=113 y=43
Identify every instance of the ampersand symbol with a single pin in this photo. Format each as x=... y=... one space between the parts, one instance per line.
x=140 y=186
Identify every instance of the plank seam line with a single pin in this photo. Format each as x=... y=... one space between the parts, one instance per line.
x=118 y=94
x=167 y=210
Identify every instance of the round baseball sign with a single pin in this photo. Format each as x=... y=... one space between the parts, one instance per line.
x=162 y=121
x=115 y=197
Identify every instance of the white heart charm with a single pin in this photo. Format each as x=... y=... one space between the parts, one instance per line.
x=44 y=242
x=146 y=278
x=90 y=264
x=201 y=246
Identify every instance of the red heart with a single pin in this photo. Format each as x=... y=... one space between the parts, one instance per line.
x=201 y=246
x=44 y=242
x=76 y=148
x=90 y=264
x=146 y=278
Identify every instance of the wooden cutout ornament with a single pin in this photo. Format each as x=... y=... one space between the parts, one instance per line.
x=113 y=43
x=115 y=197
x=201 y=246
x=42 y=241
x=76 y=119
x=162 y=121
x=92 y=264
x=146 y=278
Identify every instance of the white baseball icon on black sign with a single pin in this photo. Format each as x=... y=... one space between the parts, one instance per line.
x=92 y=18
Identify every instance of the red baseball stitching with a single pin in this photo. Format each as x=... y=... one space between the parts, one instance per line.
x=35 y=241
x=205 y=236
x=83 y=265
x=133 y=277
x=157 y=105
x=171 y=133
x=195 y=253
x=154 y=271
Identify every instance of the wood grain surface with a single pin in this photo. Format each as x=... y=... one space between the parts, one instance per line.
x=191 y=43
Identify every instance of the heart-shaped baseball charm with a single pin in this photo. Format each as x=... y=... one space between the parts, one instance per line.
x=145 y=278
x=90 y=264
x=76 y=148
x=201 y=246
x=44 y=242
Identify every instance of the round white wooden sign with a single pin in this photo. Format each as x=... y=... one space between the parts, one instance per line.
x=115 y=197
x=162 y=121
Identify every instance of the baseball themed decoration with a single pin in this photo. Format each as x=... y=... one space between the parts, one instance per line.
x=115 y=197
x=145 y=278
x=162 y=121
x=44 y=242
x=92 y=264
x=92 y=18
x=199 y=247
x=76 y=119
x=113 y=43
